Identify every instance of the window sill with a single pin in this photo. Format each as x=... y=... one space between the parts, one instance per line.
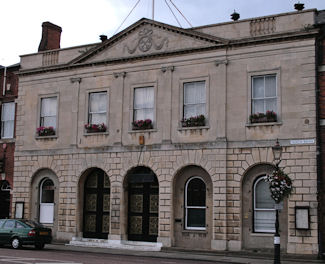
x=193 y=128
x=46 y=137
x=260 y=234
x=86 y=134
x=143 y=131
x=264 y=124
x=7 y=140
x=195 y=231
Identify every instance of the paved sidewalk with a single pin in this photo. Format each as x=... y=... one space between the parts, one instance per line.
x=213 y=256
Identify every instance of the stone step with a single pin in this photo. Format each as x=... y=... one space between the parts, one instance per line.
x=117 y=244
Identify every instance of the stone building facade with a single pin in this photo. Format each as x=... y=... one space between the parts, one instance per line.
x=179 y=179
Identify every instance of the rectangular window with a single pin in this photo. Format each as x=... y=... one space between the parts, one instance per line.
x=97 y=108
x=194 y=99
x=264 y=94
x=143 y=103
x=7 y=120
x=48 y=112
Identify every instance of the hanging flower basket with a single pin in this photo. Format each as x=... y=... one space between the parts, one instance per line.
x=280 y=184
x=269 y=116
x=95 y=128
x=45 y=131
x=193 y=121
x=142 y=124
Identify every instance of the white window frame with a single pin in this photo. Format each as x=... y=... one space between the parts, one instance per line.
x=206 y=79
x=196 y=104
x=264 y=98
x=153 y=102
x=100 y=112
x=4 y=122
x=260 y=178
x=194 y=207
x=260 y=73
x=56 y=113
x=132 y=94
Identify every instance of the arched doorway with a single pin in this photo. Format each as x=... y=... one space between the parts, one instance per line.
x=143 y=201
x=4 y=199
x=258 y=222
x=96 y=208
x=45 y=200
x=192 y=205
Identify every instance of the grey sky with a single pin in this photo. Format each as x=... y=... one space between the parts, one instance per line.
x=83 y=21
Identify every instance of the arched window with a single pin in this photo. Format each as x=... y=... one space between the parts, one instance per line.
x=46 y=201
x=195 y=204
x=264 y=212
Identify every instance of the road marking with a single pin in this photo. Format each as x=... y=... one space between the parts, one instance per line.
x=16 y=260
x=22 y=260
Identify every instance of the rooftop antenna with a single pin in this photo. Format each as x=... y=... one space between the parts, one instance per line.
x=127 y=16
x=181 y=13
x=153 y=13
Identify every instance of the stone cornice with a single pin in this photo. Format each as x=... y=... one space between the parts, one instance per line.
x=219 y=143
x=272 y=38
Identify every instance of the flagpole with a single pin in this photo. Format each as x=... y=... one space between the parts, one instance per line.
x=153 y=9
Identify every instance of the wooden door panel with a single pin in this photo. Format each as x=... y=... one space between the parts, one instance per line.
x=143 y=212
x=97 y=205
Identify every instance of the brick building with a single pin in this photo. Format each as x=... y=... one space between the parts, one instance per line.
x=153 y=135
x=8 y=96
x=321 y=125
x=9 y=92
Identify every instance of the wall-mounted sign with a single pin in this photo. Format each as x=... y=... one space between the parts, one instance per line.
x=19 y=210
x=302 y=217
x=302 y=141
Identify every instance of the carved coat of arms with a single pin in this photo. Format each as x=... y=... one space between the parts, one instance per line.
x=147 y=40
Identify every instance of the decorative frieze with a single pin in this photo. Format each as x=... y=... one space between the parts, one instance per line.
x=146 y=41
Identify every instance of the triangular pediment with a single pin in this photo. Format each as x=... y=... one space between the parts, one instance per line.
x=148 y=38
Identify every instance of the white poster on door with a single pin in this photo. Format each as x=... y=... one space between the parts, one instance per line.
x=46 y=213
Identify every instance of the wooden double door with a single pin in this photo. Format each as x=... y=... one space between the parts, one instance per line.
x=96 y=216
x=143 y=209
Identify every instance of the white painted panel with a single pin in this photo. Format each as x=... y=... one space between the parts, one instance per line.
x=47 y=213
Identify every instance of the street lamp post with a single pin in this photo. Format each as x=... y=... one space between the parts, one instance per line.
x=277 y=152
x=281 y=187
x=277 y=239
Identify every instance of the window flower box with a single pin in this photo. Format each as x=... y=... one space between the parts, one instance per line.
x=45 y=131
x=193 y=121
x=269 y=116
x=95 y=128
x=142 y=124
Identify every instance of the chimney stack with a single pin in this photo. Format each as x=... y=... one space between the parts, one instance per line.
x=51 y=35
x=103 y=38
